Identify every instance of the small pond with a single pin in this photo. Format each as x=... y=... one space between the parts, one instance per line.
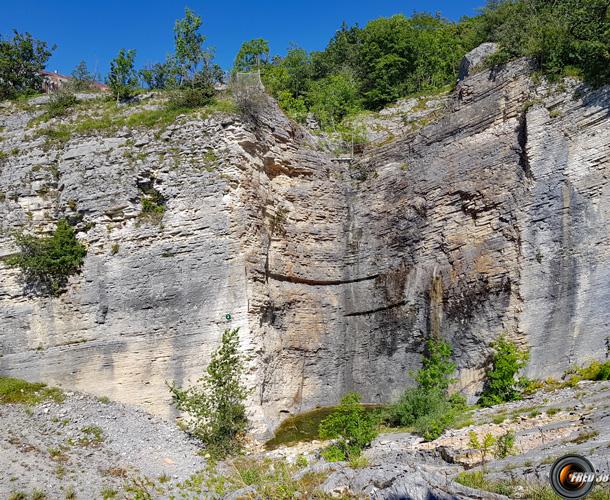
x=304 y=426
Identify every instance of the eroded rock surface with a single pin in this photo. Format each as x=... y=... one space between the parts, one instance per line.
x=491 y=219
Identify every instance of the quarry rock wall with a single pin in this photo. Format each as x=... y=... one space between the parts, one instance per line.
x=493 y=218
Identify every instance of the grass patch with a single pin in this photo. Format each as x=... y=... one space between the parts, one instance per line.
x=108 y=493
x=111 y=120
x=16 y=391
x=545 y=492
x=498 y=418
x=93 y=436
x=272 y=479
x=595 y=371
x=534 y=413
x=152 y=210
x=90 y=126
x=222 y=106
x=155 y=118
x=58 y=454
x=530 y=411
x=583 y=437
x=359 y=462
x=56 y=136
x=478 y=481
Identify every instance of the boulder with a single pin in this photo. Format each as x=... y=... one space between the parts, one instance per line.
x=475 y=57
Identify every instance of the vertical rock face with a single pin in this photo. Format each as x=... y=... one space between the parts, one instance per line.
x=492 y=219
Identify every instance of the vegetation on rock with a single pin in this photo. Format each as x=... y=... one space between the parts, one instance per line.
x=565 y=36
x=153 y=206
x=123 y=79
x=16 y=391
x=595 y=371
x=22 y=58
x=60 y=103
x=390 y=58
x=47 y=261
x=82 y=78
x=428 y=407
x=501 y=383
x=305 y=426
x=215 y=405
x=351 y=426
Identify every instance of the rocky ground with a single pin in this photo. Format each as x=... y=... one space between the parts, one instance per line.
x=88 y=447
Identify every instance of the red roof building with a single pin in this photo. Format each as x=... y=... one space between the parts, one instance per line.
x=53 y=81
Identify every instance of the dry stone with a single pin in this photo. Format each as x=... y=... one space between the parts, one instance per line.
x=491 y=219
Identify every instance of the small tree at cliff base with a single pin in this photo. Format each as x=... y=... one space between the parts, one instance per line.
x=428 y=407
x=351 y=426
x=502 y=384
x=215 y=404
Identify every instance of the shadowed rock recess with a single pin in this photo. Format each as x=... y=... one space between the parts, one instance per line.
x=492 y=219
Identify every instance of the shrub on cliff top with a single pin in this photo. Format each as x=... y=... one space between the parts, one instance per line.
x=60 y=103
x=47 y=261
x=215 y=404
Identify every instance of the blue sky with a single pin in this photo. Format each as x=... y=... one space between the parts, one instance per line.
x=95 y=31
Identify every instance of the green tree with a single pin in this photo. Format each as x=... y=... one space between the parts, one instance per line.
x=341 y=54
x=561 y=35
x=501 y=385
x=298 y=66
x=351 y=425
x=197 y=74
x=252 y=54
x=295 y=107
x=428 y=407
x=437 y=368
x=123 y=79
x=47 y=261
x=215 y=405
x=386 y=58
x=22 y=59
x=82 y=78
x=189 y=45
x=400 y=56
x=333 y=98
x=160 y=75
x=505 y=445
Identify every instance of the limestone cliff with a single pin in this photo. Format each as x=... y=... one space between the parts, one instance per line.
x=493 y=218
